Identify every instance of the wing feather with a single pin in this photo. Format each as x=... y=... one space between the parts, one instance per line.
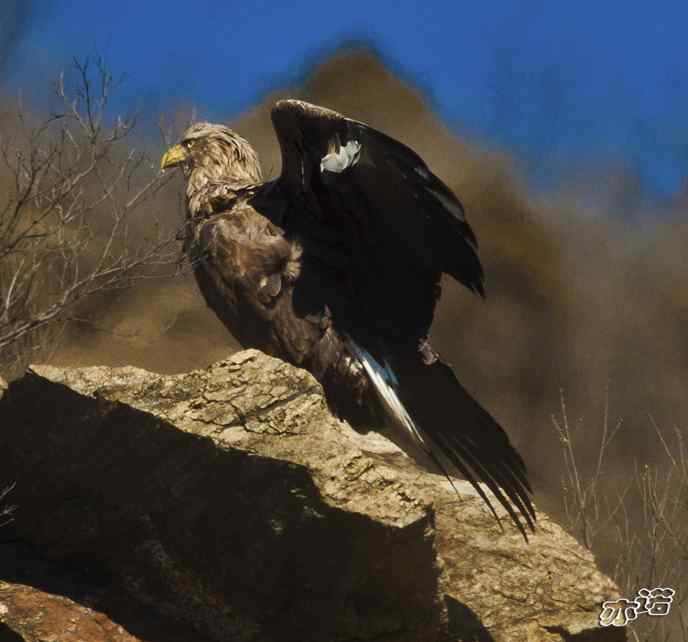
x=476 y=444
x=406 y=200
x=399 y=227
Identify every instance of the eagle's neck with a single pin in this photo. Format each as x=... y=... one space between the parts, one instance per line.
x=211 y=179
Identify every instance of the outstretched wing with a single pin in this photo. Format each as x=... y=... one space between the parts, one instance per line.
x=400 y=225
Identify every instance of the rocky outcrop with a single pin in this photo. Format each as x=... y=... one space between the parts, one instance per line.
x=231 y=500
x=27 y=613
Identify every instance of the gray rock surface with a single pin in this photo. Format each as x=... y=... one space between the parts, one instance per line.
x=230 y=499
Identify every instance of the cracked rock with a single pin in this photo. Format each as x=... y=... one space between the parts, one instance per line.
x=231 y=500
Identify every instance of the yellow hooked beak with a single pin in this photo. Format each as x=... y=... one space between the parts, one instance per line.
x=173 y=157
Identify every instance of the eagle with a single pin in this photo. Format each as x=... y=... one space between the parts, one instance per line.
x=335 y=267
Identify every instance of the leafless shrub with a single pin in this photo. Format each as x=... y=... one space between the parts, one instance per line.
x=70 y=190
x=587 y=509
x=637 y=526
x=6 y=510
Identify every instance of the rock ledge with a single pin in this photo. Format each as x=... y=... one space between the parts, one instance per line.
x=231 y=500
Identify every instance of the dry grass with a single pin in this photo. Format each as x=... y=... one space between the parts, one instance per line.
x=636 y=522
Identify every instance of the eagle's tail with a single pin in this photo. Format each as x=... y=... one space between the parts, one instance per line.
x=451 y=427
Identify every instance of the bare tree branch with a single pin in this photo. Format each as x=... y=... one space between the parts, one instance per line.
x=68 y=224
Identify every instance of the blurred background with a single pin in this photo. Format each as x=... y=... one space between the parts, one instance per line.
x=561 y=126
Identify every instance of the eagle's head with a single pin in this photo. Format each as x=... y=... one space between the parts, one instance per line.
x=209 y=152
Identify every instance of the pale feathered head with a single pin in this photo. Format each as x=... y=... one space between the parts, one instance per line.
x=214 y=153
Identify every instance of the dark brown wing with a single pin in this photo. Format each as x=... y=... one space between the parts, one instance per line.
x=402 y=227
x=387 y=183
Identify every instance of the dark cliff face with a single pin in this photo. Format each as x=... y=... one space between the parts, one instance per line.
x=231 y=500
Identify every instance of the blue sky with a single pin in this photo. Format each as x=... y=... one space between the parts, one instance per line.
x=558 y=83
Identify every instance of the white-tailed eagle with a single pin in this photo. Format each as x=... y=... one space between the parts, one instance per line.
x=335 y=266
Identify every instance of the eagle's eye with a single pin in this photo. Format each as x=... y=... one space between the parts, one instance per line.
x=187 y=144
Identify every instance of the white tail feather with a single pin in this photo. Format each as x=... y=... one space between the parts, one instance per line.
x=386 y=384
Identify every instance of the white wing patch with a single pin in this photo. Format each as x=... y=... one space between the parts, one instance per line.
x=346 y=157
x=386 y=383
